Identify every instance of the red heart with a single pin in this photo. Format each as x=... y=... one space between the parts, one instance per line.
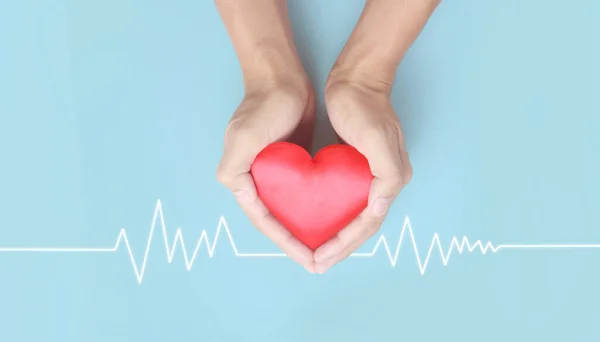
x=313 y=198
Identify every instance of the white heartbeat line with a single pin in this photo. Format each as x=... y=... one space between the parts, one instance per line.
x=458 y=245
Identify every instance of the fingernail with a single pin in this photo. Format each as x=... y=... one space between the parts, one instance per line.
x=381 y=206
x=310 y=267
x=243 y=195
x=321 y=269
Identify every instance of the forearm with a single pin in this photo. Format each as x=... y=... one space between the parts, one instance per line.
x=385 y=31
x=261 y=35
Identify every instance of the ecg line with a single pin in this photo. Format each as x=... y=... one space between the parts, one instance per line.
x=455 y=245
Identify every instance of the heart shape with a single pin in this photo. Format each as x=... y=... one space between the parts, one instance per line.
x=313 y=198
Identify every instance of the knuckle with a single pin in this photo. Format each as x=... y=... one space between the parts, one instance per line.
x=397 y=182
x=223 y=176
x=397 y=177
x=238 y=129
x=391 y=132
x=404 y=171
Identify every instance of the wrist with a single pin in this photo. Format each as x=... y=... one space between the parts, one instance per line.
x=269 y=67
x=376 y=80
x=292 y=86
x=385 y=31
x=262 y=37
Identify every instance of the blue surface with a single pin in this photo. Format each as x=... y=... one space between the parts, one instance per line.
x=108 y=106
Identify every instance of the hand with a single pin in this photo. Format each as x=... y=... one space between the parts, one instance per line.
x=268 y=113
x=357 y=97
x=278 y=105
x=362 y=115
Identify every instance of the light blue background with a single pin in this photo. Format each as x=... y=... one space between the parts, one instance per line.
x=108 y=106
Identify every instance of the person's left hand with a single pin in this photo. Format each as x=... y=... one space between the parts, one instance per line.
x=363 y=116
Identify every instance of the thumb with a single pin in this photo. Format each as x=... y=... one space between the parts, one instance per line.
x=242 y=144
x=381 y=196
x=243 y=188
x=384 y=191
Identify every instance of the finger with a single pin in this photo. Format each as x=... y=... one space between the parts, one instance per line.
x=323 y=266
x=269 y=226
x=384 y=191
x=379 y=144
x=382 y=194
x=362 y=226
x=244 y=189
x=241 y=147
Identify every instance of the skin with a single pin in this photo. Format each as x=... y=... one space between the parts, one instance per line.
x=279 y=105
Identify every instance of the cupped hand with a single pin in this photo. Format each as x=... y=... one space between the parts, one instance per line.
x=269 y=112
x=362 y=115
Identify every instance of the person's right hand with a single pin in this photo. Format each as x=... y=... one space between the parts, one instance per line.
x=269 y=112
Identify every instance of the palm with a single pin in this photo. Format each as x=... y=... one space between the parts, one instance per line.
x=363 y=118
x=274 y=116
